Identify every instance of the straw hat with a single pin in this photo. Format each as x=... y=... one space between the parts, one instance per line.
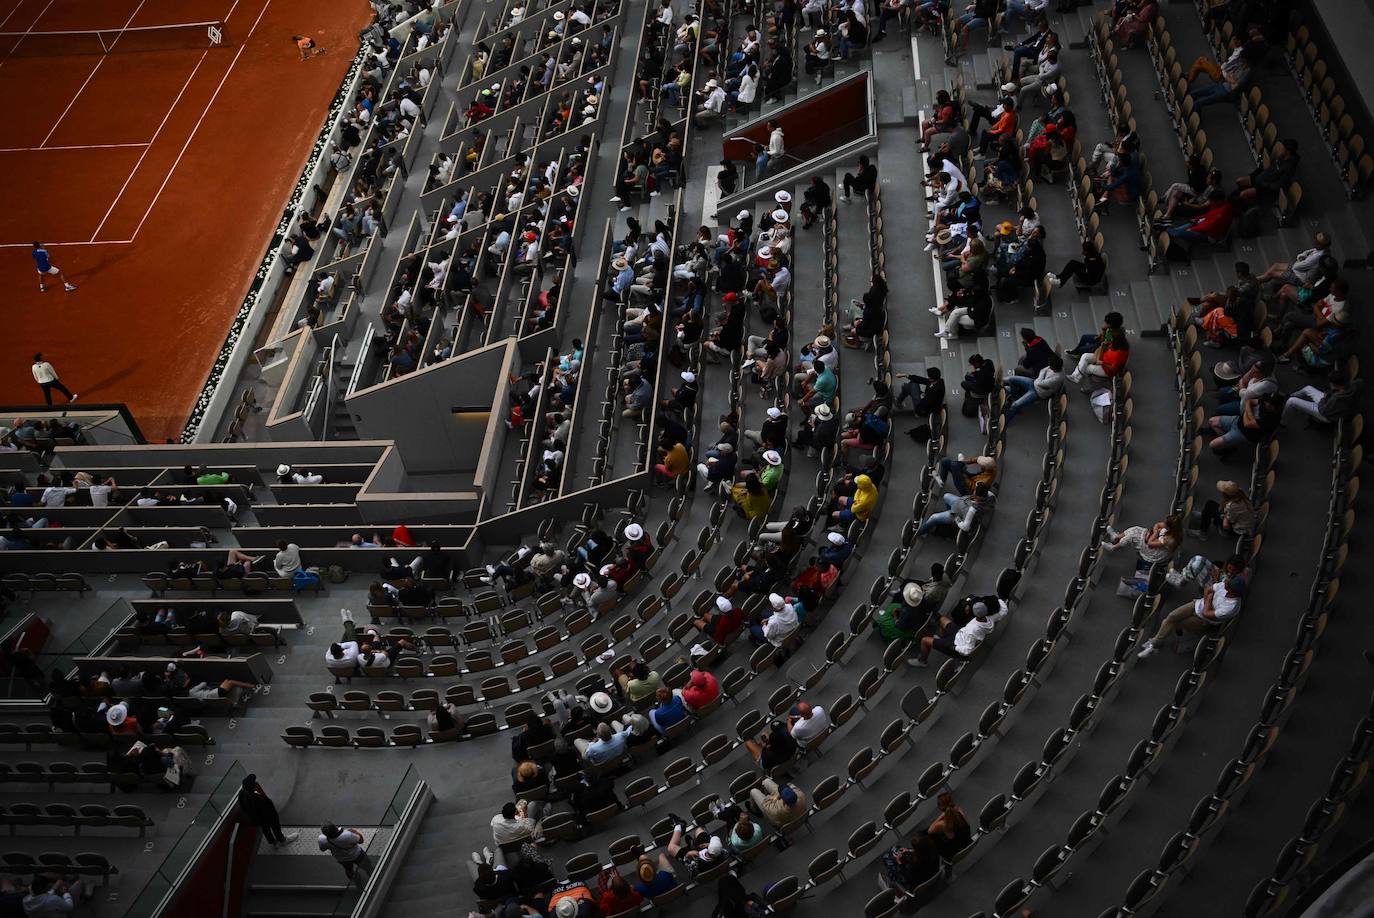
x=771 y=457
x=634 y=532
x=912 y=594
x=823 y=412
x=601 y=703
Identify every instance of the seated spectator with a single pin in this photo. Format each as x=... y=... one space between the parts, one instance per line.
x=807 y=722
x=1218 y=604
x=780 y=804
x=1340 y=400
x=968 y=471
x=720 y=623
x=492 y=882
x=859 y=505
x=286 y=475
x=1224 y=81
x=697 y=851
x=1211 y=226
x=776 y=625
x=701 y=690
x=637 y=681
x=962 y=511
x=820 y=430
x=288 y=558
x=1256 y=423
x=618 y=897
x=445 y=717
x=1048 y=383
x=673 y=460
x=512 y=825
x=1154 y=545
x=959 y=640
x=1106 y=362
x=671 y=710
x=927 y=393
x=774 y=748
x=951 y=830
x=1086 y=271
x=341 y=659
x=609 y=745
x=908 y=868
x=1234 y=513
x=751 y=498
x=654 y=879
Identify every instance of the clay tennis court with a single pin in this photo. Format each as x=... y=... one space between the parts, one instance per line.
x=155 y=174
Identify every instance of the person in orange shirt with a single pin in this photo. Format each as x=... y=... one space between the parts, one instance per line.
x=1004 y=126
x=1107 y=361
x=307 y=46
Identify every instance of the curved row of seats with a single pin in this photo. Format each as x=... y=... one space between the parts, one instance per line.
x=1146 y=755
x=42 y=734
x=63 y=815
x=1211 y=811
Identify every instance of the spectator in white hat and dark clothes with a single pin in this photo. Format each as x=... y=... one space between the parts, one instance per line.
x=772 y=433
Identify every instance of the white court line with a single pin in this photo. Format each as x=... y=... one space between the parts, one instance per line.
x=90 y=76
x=199 y=121
x=54 y=245
x=75 y=146
x=41 y=14
x=171 y=108
x=4 y=22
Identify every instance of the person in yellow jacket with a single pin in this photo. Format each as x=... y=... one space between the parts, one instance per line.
x=860 y=505
x=751 y=497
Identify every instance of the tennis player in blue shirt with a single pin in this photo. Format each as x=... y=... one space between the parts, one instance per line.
x=43 y=260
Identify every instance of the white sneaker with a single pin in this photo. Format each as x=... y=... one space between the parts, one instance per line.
x=289 y=837
x=1075 y=377
x=615 y=200
x=942 y=334
x=1147 y=650
x=935 y=310
x=476 y=858
x=1055 y=281
x=69 y=287
x=930 y=247
x=917 y=662
x=486 y=853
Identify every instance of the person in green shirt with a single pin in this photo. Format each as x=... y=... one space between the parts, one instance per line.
x=204 y=476
x=771 y=473
x=820 y=390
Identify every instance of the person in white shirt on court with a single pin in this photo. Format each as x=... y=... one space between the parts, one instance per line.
x=46 y=376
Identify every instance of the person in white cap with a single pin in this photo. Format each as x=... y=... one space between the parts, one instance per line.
x=820 y=431
x=777 y=624
x=697 y=851
x=719 y=467
x=712 y=98
x=602 y=589
x=772 y=433
x=638 y=546
x=119 y=719
x=720 y=622
x=683 y=397
x=835 y=549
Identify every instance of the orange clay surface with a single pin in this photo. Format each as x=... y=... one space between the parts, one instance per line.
x=155 y=178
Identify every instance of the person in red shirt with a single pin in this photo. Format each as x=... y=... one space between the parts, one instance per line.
x=720 y=623
x=702 y=688
x=1107 y=361
x=1211 y=225
x=618 y=897
x=638 y=546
